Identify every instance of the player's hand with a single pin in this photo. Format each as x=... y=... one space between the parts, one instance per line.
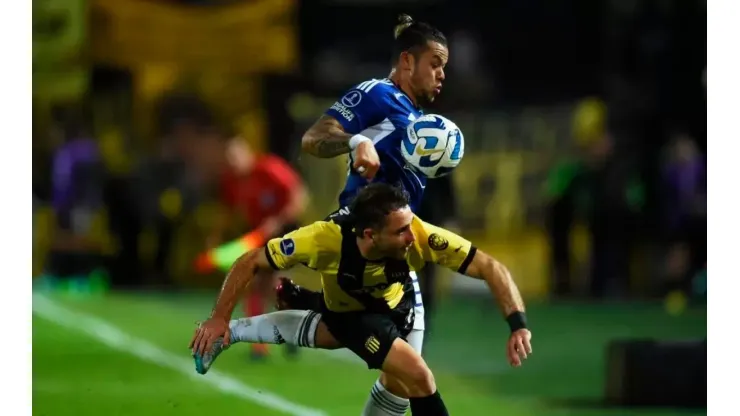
x=519 y=347
x=208 y=332
x=366 y=160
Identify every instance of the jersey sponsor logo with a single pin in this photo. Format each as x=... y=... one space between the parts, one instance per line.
x=344 y=111
x=437 y=242
x=372 y=344
x=351 y=99
x=287 y=247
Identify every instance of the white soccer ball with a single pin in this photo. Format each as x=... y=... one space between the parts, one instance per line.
x=433 y=145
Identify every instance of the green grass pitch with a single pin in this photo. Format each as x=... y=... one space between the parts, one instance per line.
x=126 y=354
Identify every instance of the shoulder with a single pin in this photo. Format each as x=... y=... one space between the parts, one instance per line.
x=432 y=236
x=378 y=91
x=324 y=235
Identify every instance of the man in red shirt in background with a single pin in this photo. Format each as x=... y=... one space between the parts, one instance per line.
x=271 y=197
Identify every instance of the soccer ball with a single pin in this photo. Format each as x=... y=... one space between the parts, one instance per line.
x=433 y=145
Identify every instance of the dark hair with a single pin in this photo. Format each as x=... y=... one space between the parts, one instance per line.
x=413 y=36
x=373 y=203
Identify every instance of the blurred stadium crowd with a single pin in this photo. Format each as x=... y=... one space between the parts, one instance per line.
x=585 y=122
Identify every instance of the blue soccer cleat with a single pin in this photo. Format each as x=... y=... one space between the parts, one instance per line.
x=204 y=362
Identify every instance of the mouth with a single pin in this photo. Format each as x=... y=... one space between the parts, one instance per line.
x=438 y=90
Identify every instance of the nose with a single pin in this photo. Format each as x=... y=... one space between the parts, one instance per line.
x=410 y=238
x=441 y=75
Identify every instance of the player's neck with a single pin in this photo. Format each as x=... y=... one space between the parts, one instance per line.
x=368 y=250
x=395 y=76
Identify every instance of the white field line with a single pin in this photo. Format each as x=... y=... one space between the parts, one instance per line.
x=120 y=340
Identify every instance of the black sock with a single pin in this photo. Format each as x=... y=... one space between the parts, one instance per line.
x=428 y=406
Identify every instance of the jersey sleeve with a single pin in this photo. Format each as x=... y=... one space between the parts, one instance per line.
x=446 y=248
x=297 y=247
x=358 y=108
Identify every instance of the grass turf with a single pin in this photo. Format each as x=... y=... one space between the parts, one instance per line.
x=73 y=373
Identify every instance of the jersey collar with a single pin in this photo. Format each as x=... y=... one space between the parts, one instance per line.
x=398 y=87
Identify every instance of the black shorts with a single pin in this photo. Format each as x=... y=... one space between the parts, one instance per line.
x=371 y=334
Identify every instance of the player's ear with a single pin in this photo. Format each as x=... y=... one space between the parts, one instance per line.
x=368 y=233
x=406 y=61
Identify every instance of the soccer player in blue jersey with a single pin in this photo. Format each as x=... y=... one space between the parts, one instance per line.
x=369 y=122
x=370 y=119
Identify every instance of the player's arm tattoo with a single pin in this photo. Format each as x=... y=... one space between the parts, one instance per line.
x=237 y=280
x=499 y=280
x=326 y=138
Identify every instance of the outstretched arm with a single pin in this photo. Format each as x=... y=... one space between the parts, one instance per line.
x=326 y=138
x=456 y=253
x=509 y=300
x=237 y=280
x=499 y=280
x=297 y=247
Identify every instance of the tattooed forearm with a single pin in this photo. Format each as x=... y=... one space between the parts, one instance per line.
x=326 y=138
x=329 y=148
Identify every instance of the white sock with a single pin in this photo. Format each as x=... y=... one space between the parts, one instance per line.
x=384 y=403
x=293 y=327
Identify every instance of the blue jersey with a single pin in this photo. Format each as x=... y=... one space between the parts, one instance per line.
x=379 y=110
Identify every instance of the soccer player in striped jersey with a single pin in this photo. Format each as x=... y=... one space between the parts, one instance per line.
x=364 y=262
x=369 y=122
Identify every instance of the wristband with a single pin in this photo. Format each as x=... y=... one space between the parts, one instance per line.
x=356 y=140
x=517 y=321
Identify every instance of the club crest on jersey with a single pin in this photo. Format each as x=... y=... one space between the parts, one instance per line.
x=351 y=99
x=287 y=247
x=437 y=242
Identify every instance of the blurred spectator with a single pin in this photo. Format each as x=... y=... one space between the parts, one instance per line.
x=77 y=194
x=684 y=210
x=157 y=193
x=594 y=188
x=269 y=195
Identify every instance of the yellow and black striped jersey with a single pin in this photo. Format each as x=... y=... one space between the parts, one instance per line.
x=352 y=283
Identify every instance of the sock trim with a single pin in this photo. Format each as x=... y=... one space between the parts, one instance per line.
x=304 y=331
x=385 y=403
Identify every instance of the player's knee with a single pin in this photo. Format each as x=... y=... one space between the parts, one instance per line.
x=406 y=364
x=420 y=380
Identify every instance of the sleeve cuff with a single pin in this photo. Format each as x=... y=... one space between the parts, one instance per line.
x=269 y=258
x=468 y=259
